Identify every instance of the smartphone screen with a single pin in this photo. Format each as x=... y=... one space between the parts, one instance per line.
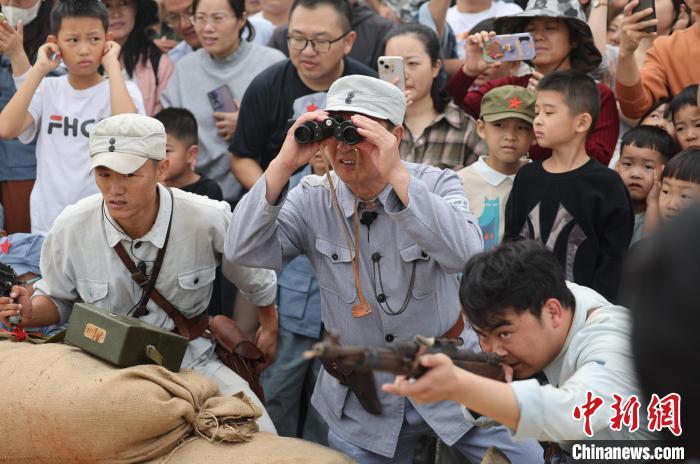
x=221 y=100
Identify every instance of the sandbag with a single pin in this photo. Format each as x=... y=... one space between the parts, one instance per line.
x=264 y=449
x=60 y=404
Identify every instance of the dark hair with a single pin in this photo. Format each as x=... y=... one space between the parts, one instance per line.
x=431 y=45
x=36 y=31
x=180 y=123
x=519 y=275
x=580 y=91
x=686 y=97
x=76 y=9
x=659 y=286
x=341 y=6
x=659 y=102
x=238 y=8
x=138 y=45
x=684 y=166
x=485 y=25
x=653 y=138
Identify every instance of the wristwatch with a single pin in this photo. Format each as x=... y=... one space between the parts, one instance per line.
x=597 y=3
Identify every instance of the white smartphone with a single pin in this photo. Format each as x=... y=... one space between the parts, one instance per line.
x=391 y=67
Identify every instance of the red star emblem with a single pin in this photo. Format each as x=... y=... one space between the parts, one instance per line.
x=311 y=107
x=514 y=103
x=5 y=247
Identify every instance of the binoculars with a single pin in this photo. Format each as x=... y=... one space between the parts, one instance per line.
x=313 y=131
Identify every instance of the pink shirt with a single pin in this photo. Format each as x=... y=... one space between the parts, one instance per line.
x=146 y=81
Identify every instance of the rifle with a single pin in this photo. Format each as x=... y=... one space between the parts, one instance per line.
x=404 y=358
x=8 y=279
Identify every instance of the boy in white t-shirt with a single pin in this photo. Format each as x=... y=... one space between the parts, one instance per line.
x=60 y=111
x=505 y=124
x=468 y=13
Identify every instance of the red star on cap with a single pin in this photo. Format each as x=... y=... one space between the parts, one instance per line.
x=5 y=247
x=312 y=107
x=514 y=103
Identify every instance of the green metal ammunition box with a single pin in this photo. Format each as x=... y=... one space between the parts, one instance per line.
x=123 y=340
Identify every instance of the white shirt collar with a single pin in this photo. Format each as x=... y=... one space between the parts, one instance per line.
x=156 y=235
x=489 y=174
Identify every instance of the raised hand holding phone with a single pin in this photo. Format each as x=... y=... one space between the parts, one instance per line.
x=635 y=27
x=392 y=69
x=475 y=63
x=645 y=5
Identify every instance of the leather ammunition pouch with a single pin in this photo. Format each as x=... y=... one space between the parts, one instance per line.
x=361 y=383
x=237 y=352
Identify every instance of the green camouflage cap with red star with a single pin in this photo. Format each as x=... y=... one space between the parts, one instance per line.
x=508 y=101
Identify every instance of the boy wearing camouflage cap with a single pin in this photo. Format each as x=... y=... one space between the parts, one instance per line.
x=505 y=124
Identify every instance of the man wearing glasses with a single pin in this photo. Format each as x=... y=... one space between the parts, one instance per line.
x=176 y=14
x=320 y=37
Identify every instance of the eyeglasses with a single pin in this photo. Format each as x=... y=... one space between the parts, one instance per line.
x=175 y=19
x=321 y=46
x=216 y=20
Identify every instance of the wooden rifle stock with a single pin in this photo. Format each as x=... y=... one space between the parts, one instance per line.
x=404 y=358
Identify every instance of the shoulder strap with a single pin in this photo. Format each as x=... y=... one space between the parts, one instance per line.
x=188 y=328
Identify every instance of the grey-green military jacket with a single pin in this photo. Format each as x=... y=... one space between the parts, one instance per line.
x=436 y=232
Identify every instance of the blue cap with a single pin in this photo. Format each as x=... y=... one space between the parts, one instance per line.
x=22 y=252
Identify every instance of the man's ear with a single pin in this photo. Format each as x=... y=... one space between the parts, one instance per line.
x=349 y=41
x=553 y=311
x=162 y=169
x=51 y=39
x=398 y=132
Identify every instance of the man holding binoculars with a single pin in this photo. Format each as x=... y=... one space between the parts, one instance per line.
x=381 y=283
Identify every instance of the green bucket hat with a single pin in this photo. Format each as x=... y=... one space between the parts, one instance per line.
x=585 y=57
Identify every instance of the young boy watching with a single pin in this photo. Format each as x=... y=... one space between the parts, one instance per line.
x=61 y=111
x=680 y=184
x=577 y=207
x=686 y=117
x=520 y=306
x=505 y=123
x=644 y=152
x=181 y=149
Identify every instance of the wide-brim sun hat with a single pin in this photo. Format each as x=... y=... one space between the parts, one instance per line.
x=585 y=56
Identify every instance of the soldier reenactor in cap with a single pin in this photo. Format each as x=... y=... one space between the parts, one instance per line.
x=173 y=238
x=382 y=282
